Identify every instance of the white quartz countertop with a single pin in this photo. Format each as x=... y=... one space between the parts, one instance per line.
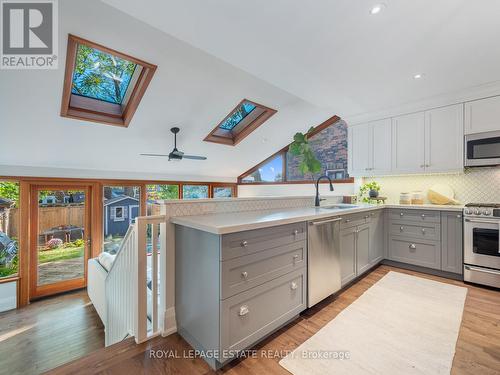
x=223 y=223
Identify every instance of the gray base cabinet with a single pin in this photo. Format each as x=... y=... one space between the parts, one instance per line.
x=377 y=236
x=347 y=255
x=233 y=290
x=452 y=242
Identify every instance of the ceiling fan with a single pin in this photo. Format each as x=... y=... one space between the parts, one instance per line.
x=176 y=154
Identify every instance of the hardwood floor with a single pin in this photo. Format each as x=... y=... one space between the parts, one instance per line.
x=48 y=333
x=477 y=351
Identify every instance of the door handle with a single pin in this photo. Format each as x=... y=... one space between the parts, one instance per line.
x=470 y=268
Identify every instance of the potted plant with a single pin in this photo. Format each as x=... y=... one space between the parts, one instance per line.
x=300 y=147
x=372 y=188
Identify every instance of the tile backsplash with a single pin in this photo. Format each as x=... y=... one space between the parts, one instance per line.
x=474 y=185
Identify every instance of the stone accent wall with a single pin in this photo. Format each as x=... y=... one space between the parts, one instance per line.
x=330 y=147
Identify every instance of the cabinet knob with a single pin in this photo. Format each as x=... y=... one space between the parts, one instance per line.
x=401 y=214
x=423 y=216
x=347 y=220
x=459 y=216
x=423 y=230
x=295 y=257
x=293 y=285
x=244 y=274
x=412 y=246
x=401 y=229
x=366 y=216
x=295 y=232
x=243 y=310
x=244 y=243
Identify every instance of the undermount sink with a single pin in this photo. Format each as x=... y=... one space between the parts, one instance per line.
x=340 y=206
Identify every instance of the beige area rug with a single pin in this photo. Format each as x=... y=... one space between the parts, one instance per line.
x=402 y=325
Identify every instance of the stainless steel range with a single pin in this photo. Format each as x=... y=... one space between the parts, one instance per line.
x=482 y=243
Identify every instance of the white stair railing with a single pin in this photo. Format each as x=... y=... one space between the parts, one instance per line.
x=127 y=283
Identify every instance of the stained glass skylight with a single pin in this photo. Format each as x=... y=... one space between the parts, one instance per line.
x=237 y=116
x=100 y=75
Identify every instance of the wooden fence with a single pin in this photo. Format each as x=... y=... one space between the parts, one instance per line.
x=49 y=217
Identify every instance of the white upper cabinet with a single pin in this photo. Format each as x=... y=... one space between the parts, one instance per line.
x=359 y=140
x=444 y=139
x=408 y=140
x=482 y=115
x=369 y=151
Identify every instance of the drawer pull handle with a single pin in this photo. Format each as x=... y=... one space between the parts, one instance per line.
x=295 y=232
x=295 y=257
x=243 y=310
x=244 y=274
x=401 y=214
x=459 y=216
x=412 y=246
x=293 y=285
x=423 y=230
x=366 y=217
x=401 y=229
x=423 y=216
x=244 y=243
x=347 y=220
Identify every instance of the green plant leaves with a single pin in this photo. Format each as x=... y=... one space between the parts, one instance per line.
x=300 y=147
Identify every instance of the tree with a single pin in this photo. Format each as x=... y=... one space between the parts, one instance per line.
x=10 y=190
x=157 y=192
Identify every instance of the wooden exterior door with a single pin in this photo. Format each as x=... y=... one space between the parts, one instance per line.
x=59 y=238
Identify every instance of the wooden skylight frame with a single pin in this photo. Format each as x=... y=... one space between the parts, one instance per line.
x=94 y=110
x=247 y=125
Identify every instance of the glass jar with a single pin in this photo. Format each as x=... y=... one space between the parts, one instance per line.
x=417 y=197
x=404 y=198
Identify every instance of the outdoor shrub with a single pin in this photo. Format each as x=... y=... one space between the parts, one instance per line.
x=54 y=243
x=78 y=243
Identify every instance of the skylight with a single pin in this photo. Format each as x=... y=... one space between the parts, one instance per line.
x=237 y=116
x=101 y=84
x=101 y=76
x=241 y=121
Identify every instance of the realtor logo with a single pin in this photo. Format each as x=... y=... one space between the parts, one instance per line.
x=29 y=34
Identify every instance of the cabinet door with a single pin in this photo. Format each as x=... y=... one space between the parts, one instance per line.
x=482 y=115
x=348 y=255
x=359 y=150
x=362 y=249
x=451 y=242
x=381 y=147
x=377 y=235
x=444 y=139
x=408 y=143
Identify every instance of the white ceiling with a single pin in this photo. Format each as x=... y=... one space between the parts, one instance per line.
x=334 y=54
x=309 y=60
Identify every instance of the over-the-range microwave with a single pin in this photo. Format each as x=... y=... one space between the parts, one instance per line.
x=482 y=149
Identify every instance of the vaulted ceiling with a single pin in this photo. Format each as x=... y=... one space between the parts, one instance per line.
x=308 y=60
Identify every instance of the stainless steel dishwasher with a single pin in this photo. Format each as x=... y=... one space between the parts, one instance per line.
x=323 y=259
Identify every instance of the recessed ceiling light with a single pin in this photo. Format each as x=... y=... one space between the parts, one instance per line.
x=418 y=76
x=377 y=8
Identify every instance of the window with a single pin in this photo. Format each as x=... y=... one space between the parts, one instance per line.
x=222 y=192
x=329 y=144
x=268 y=171
x=241 y=121
x=102 y=85
x=194 y=191
x=9 y=228
x=156 y=193
x=121 y=205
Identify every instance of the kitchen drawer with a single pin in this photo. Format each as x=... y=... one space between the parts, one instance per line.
x=244 y=243
x=249 y=316
x=354 y=220
x=418 y=252
x=411 y=229
x=420 y=216
x=240 y=274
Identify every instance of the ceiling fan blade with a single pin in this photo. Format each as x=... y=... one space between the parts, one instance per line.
x=194 y=157
x=164 y=155
x=177 y=152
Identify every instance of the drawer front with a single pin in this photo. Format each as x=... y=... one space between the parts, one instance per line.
x=414 y=230
x=243 y=273
x=420 y=216
x=249 y=316
x=419 y=252
x=354 y=220
x=252 y=241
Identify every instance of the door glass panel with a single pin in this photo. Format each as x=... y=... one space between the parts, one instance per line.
x=61 y=236
x=121 y=205
x=485 y=241
x=9 y=228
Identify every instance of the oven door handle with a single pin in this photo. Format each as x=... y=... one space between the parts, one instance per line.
x=484 y=270
x=484 y=221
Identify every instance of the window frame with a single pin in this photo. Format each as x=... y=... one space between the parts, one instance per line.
x=236 y=137
x=122 y=216
x=331 y=121
x=95 y=111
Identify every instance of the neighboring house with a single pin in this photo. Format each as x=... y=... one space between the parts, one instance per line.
x=119 y=213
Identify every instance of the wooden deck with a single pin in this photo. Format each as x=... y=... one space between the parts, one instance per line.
x=477 y=352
